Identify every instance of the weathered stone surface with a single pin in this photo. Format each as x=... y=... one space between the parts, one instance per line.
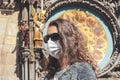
x=8 y=33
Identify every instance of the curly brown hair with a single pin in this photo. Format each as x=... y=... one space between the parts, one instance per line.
x=73 y=47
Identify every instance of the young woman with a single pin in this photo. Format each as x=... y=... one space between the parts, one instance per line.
x=69 y=58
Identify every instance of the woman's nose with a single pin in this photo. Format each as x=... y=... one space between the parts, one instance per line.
x=49 y=38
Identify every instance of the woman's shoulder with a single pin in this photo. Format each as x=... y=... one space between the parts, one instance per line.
x=85 y=71
x=78 y=71
x=81 y=66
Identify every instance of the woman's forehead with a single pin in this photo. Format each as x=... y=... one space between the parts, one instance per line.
x=52 y=29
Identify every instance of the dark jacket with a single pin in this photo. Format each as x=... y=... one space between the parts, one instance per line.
x=77 y=71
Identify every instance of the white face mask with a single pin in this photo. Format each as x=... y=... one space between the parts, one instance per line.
x=53 y=48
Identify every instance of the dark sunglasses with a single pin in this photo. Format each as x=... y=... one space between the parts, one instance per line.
x=53 y=37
